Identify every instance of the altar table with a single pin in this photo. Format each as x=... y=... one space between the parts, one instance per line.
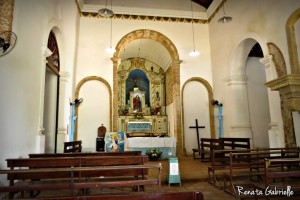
x=167 y=145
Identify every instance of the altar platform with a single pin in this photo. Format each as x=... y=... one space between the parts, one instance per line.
x=167 y=145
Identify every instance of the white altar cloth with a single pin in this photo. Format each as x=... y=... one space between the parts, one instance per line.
x=151 y=142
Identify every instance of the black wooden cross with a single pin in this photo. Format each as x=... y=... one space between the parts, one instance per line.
x=197 y=130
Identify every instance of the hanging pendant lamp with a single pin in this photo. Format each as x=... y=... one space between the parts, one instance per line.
x=110 y=49
x=193 y=53
x=105 y=12
x=224 y=19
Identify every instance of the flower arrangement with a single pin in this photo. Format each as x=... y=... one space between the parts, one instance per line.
x=153 y=154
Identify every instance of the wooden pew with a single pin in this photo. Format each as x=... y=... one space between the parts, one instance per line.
x=56 y=165
x=251 y=165
x=190 y=195
x=83 y=154
x=220 y=162
x=74 y=184
x=209 y=144
x=235 y=143
x=282 y=169
x=206 y=147
x=74 y=146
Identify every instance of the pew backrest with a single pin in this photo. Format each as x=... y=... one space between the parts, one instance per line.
x=87 y=154
x=190 y=195
x=74 y=146
x=69 y=162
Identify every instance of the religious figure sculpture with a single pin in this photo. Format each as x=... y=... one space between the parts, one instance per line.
x=137 y=103
x=220 y=116
x=157 y=109
x=73 y=117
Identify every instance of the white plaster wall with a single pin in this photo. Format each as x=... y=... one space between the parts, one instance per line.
x=196 y=106
x=92 y=113
x=258 y=102
x=265 y=19
x=22 y=74
x=95 y=37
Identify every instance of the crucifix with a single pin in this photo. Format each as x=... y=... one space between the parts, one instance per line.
x=197 y=130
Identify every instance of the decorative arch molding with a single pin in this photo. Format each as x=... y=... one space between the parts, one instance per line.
x=291 y=39
x=147 y=34
x=278 y=59
x=77 y=90
x=211 y=107
x=174 y=67
x=281 y=70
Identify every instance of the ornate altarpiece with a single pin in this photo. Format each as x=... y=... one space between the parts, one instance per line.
x=142 y=96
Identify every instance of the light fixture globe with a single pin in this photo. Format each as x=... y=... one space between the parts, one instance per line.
x=194 y=53
x=110 y=50
x=105 y=12
x=225 y=19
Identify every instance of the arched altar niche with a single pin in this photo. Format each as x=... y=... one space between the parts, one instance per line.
x=142 y=96
x=137 y=91
x=141 y=81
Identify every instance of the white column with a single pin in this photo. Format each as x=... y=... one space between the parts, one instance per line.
x=240 y=122
x=276 y=132
x=64 y=110
x=40 y=137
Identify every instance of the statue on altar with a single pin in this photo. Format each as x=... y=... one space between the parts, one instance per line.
x=157 y=109
x=137 y=103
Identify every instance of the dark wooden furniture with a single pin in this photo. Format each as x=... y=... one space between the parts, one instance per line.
x=191 y=195
x=78 y=173
x=82 y=154
x=74 y=146
x=220 y=162
x=282 y=168
x=209 y=144
x=252 y=165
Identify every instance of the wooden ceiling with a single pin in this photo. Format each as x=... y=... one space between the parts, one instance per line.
x=204 y=3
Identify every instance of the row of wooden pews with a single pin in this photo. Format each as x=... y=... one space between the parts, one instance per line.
x=249 y=167
x=190 y=195
x=207 y=145
x=78 y=172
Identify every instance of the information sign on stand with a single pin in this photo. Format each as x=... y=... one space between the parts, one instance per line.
x=174 y=174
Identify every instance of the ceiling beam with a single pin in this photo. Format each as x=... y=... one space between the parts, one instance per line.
x=204 y=3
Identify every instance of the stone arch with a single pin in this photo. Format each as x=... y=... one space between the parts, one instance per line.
x=77 y=90
x=174 y=66
x=240 y=53
x=211 y=107
x=291 y=38
x=237 y=83
x=278 y=59
x=281 y=70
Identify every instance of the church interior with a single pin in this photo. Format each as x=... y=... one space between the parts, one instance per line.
x=163 y=74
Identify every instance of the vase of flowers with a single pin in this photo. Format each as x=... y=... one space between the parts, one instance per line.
x=153 y=154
